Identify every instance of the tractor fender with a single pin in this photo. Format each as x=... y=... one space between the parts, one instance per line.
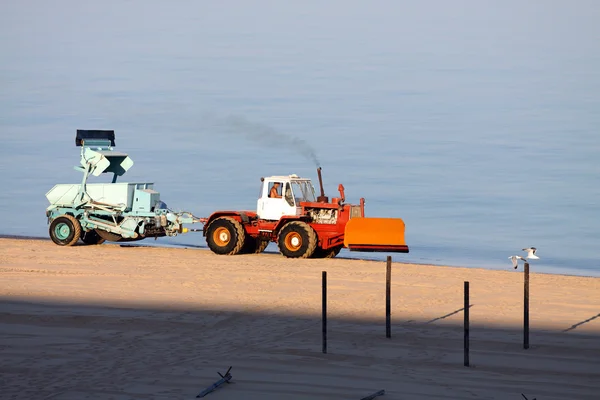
x=244 y=217
x=285 y=219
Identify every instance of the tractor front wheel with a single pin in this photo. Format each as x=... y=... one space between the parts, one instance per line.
x=225 y=236
x=91 y=237
x=65 y=230
x=297 y=239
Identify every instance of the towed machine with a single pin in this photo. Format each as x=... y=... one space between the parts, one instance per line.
x=115 y=211
x=288 y=213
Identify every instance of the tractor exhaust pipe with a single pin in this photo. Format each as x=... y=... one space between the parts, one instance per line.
x=322 y=198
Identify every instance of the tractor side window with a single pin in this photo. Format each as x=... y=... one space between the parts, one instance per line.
x=289 y=197
x=262 y=186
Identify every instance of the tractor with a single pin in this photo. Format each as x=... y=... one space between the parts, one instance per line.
x=302 y=225
x=115 y=211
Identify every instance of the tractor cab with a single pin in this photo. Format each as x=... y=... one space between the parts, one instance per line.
x=282 y=195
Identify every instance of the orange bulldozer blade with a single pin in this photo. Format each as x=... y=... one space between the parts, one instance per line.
x=375 y=234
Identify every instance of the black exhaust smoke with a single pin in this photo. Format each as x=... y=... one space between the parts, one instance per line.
x=259 y=132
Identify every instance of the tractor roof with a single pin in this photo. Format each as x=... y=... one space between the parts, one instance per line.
x=292 y=177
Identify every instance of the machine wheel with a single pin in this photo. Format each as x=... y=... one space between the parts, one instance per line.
x=225 y=236
x=65 y=230
x=254 y=246
x=297 y=240
x=329 y=253
x=91 y=237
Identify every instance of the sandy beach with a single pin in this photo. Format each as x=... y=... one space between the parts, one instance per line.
x=136 y=322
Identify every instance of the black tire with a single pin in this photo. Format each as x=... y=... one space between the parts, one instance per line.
x=297 y=240
x=65 y=230
x=329 y=253
x=92 y=237
x=254 y=245
x=225 y=236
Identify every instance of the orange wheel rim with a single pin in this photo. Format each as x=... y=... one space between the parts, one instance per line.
x=293 y=241
x=221 y=236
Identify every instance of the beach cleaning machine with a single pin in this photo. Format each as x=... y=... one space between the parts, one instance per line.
x=115 y=211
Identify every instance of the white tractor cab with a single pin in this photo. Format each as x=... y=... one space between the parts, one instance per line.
x=281 y=195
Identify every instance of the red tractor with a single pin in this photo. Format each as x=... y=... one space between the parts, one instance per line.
x=302 y=225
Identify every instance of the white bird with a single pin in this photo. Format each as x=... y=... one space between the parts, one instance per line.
x=514 y=260
x=531 y=253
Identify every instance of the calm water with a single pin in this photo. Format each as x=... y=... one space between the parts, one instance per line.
x=475 y=123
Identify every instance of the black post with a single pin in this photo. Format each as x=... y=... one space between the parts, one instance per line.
x=466 y=341
x=388 y=302
x=324 y=312
x=526 y=309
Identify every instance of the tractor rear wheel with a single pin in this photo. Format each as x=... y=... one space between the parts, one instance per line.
x=329 y=253
x=297 y=239
x=225 y=236
x=91 y=237
x=65 y=230
x=254 y=245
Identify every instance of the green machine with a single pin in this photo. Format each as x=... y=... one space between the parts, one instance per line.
x=116 y=211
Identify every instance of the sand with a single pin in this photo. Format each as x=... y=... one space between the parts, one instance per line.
x=136 y=322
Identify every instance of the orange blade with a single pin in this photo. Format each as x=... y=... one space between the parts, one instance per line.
x=375 y=234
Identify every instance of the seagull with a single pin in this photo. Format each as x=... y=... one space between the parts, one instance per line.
x=531 y=253
x=514 y=260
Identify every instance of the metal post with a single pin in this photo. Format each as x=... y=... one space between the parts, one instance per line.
x=466 y=314
x=388 y=303
x=324 y=312
x=526 y=308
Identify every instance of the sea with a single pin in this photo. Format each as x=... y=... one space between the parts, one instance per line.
x=476 y=122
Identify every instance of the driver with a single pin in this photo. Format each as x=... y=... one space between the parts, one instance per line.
x=274 y=191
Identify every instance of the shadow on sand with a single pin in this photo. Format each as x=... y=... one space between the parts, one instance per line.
x=61 y=350
x=581 y=323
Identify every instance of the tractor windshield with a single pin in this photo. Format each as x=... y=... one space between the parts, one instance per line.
x=303 y=191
